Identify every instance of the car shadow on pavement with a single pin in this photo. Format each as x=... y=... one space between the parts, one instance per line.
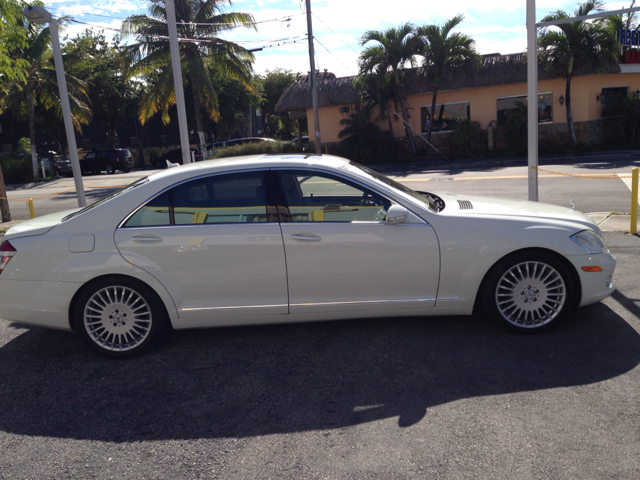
x=248 y=381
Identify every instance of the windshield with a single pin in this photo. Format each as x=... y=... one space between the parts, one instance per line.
x=108 y=197
x=420 y=198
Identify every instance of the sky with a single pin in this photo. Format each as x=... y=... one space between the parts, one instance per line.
x=338 y=25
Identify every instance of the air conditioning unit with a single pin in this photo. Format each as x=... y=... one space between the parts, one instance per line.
x=344 y=109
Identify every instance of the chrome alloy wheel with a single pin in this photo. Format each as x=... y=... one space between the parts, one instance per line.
x=530 y=294
x=117 y=318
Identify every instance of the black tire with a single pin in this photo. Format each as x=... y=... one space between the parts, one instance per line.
x=119 y=317
x=110 y=169
x=529 y=291
x=126 y=170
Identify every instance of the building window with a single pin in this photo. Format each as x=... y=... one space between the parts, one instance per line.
x=447 y=116
x=507 y=104
x=611 y=99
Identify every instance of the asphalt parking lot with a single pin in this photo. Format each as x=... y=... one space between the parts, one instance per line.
x=387 y=398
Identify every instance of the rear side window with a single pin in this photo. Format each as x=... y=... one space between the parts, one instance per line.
x=231 y=198
x=155 y=213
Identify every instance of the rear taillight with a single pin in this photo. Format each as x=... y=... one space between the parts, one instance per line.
x=6 y=252
x=117 y=159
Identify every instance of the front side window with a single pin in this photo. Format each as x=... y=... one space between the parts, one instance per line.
x=230 y=198
x=318 y=197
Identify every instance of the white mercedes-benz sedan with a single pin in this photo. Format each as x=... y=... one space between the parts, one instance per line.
x=270 y=239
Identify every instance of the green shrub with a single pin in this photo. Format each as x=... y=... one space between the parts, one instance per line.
x=466 y=137
x=258 y=148
x=16 y=170
x=24 y=145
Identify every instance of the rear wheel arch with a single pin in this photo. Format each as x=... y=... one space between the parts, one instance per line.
x=113 y=277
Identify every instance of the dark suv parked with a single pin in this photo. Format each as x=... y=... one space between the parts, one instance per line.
x=107 y=161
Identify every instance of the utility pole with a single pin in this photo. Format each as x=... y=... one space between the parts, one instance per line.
x=532 y=100
x=177 y=81
x=314 y=82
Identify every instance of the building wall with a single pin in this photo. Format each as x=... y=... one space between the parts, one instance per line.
x=483 y=102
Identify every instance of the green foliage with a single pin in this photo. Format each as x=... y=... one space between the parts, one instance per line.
x=24 y=145
x=13 y=36
x=258 y=148
x=99 y=64
x=150 y=54
x=466 y=137
x=516 y=128
x=16 y=170
x=362 y=140
x=274 y=83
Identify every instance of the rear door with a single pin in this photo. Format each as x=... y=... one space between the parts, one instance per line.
x=216 y=247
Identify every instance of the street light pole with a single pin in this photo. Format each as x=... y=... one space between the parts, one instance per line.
x=177 y=82
x=37 y=14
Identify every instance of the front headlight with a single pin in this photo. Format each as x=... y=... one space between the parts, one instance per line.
x=590 y=241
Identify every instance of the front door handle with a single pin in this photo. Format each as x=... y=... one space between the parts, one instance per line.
x=148 y=238
x=306 y=237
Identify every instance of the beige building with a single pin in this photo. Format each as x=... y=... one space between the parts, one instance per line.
x=484 y=96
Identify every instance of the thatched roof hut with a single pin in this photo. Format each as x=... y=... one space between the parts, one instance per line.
x=495 y=70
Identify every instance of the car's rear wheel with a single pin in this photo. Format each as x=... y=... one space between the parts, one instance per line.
x=120 y=317
x=529 y=291
x=126 y=170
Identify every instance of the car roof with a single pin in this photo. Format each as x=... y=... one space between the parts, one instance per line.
x=248 y=162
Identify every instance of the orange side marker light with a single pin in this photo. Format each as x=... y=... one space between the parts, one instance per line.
x=592 y=269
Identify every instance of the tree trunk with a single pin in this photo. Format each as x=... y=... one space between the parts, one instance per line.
x=4 y=203
x=32 y=133
x=433 y=113
x=404 y=117
x=198 y=112
x=393 y=138
x=299 y=120
x=572 y=132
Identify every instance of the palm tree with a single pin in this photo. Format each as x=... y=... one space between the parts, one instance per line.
x=442 y=52
x=396 y=48
x=626 y=21
x=377 y=90
x=41 y=86
x=200 y=21
x=577 y=43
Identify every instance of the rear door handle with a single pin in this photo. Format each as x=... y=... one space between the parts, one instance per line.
x=305 y=237
x=141 y=238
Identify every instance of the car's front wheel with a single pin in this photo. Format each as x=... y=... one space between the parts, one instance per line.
x=529 y=291
x=110 y=169
x=120 y=317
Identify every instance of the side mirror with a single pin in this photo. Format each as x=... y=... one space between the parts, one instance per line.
x=396 y=214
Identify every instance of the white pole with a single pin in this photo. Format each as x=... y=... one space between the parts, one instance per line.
x=177 y=81
x=314 y=82
x=66 y=113
x=532 y=101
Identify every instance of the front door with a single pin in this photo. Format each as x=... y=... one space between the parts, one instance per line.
x=215 y=247
x=342 y=255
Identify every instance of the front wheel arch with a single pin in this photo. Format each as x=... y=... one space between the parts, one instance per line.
x=478 y=304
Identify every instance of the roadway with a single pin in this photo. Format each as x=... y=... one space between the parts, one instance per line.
x=497 y=177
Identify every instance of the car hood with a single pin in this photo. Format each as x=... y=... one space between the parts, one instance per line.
x=38 y=225
x=459 y=204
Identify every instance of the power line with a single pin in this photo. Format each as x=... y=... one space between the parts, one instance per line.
x=334 y=33
x=316 y=39
x=198 y=40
